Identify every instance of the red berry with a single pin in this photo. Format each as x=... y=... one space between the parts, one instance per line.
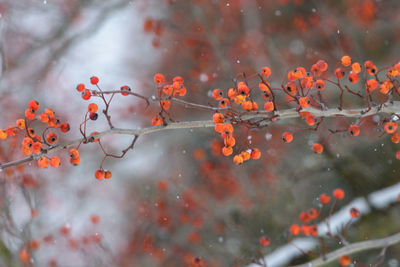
x=86 y=94
x=64 y=127
x=80 y=87
x=93 y=116
x=94 y=80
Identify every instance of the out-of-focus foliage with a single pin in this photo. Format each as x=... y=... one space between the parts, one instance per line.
x=176 y=197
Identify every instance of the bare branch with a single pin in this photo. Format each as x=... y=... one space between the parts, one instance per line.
x=354 y=248
x=281 y=115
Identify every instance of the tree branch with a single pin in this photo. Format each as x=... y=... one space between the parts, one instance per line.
x=281 y=115
x=354 y=248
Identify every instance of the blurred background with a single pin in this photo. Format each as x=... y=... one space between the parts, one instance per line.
x=175 y=197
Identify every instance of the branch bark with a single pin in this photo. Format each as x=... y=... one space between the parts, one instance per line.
x=354 y=248
x=281 y=115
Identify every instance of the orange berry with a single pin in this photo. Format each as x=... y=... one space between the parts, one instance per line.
x=354 y=130
x=255 y=106
x=54 y=122
x=26 y=151
x=320 y=85
x=217 y=94
x=264 y=241
x=159 y=78
x=339 y=73
x=227 y=151
x=33 y=104
x=247 y=105
x=356 y=68
x=372 y=84
x=75 y=161
x=322 y=65
x=269 y=106
x=318 y=148
x=33 y=244
x=27 y=141
x=73 y=153
x=30 y=114
x=43 y=162
x=44 y=117
x=157 y=120
x=390 y=127
x=313 y=230
x=92 y=139
x=304 y=217
x=238 y=159
x=31 y=132
x=227 y=128
x=398 y=154
x=55 y=161
x=80 y=87
x=385 y=87
x=395 y=138
x=346 y=61
x=168 y=90
x=224 y=102
x=24 y=255
x=125 y=89
x=266 y=72
x=294 y=229
x=20 y=124
x=370 y=67
x=99 y=174
x=292 y=76
x=181 y=92
x=177 y=85
x=165 y=104
x=345 y=260
x=353 y=77
x=310 y=120
x=287 y=137
x=49 y=112
x=263 y=87
x=65 y=230
x=178 y=79
x=107 y=174
x=338 y=193
x=245 y=155
x=291 y=88
x=3 y=134
x=92 y=108
x=64 y=127
x=255 y=153
x=232 y=93
x=51 y=138
x=94 y=80
x=305 y=230
x=243 y=89
x=354 y=213
x=219 y=127
x=36 y=147
x=304 y=102
x=86 y=94
x=229 y=141
x=316 y=70
x=94 y=218
x=313 y=213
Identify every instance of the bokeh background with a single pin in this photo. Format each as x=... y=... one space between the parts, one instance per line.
x=175 y=197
